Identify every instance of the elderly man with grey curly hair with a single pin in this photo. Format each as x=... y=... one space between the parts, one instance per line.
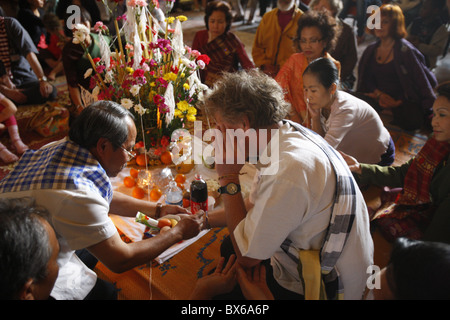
x=305 y=211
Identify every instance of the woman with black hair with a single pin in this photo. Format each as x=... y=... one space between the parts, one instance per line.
x=346 y=122
x=416 y=200
x=226 y=51
x=417 y=270
x=316 y=35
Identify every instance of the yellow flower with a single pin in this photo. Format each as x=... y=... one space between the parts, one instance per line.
x=191 y=111
x=182 y=75
x=152 y=84
x=183 y=106
x=182 y=18
x=190 y=118
x=178 y=113
x=170 y=19
x=186 y=86
x=170 y=77
x=129 y=70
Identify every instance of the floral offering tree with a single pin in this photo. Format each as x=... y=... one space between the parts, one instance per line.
x=152 y=74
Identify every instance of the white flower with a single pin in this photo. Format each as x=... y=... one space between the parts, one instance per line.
x=80 y=33
x=188 y=63
x=126 y=103
x=134 y=90
x=201 y=64
x=139 y=109
x=88 y=73
x=81 y=27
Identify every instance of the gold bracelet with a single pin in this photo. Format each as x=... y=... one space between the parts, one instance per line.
x=158 y=210
x=231 y=175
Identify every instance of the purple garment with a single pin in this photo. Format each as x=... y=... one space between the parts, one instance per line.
x=386 y=78
x=416 y=80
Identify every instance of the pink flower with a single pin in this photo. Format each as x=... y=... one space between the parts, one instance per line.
x=122 y=17
x=158 y=99
x=163 y=83
x=145 y=67
x=134 y=3
x=100 y=68
x=195 y=53
x=99 y=26
x=138 y=73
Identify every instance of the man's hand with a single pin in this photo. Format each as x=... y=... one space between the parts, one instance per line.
x=221 y=281
x=253 y=283
x=45 y=88
x=189 y=226
x=173 y=209
x=352 y=163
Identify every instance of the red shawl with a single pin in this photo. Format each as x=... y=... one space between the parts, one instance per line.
x=416 y=187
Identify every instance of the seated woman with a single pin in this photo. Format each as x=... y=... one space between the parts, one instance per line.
x=22 y=78
x=419 y=207
x=347 y=123
x=316 y=35
x=76 y=63
x=392 y=74
x=345 y=50
x=226 y=51
x=8 y=121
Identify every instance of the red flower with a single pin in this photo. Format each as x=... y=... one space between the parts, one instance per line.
x=204 y=58
x=96 y=60
x=157 y=99
x=138 y=73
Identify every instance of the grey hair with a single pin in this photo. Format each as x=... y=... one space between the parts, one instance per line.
x=24 y=245
x=336 y=5
x=247 y=93
x=102 y=119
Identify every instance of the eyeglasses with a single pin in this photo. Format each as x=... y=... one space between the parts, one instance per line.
x=130 y=154
x=311 y=41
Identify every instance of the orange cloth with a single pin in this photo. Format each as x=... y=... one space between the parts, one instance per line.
x=290 y=79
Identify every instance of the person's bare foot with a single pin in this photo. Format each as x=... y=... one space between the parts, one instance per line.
x=7 y=157
x=20 y=146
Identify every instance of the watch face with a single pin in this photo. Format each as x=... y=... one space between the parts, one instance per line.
x=231 y=188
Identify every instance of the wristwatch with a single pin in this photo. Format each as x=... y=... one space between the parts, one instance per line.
x=231 y=188
x=43 y=78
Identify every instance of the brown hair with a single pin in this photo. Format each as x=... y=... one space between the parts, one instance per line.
x=395 y=14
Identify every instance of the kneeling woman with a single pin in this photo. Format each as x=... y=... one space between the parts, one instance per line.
x=347 y=123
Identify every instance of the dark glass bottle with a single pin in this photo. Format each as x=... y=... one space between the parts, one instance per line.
x=199 y=194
